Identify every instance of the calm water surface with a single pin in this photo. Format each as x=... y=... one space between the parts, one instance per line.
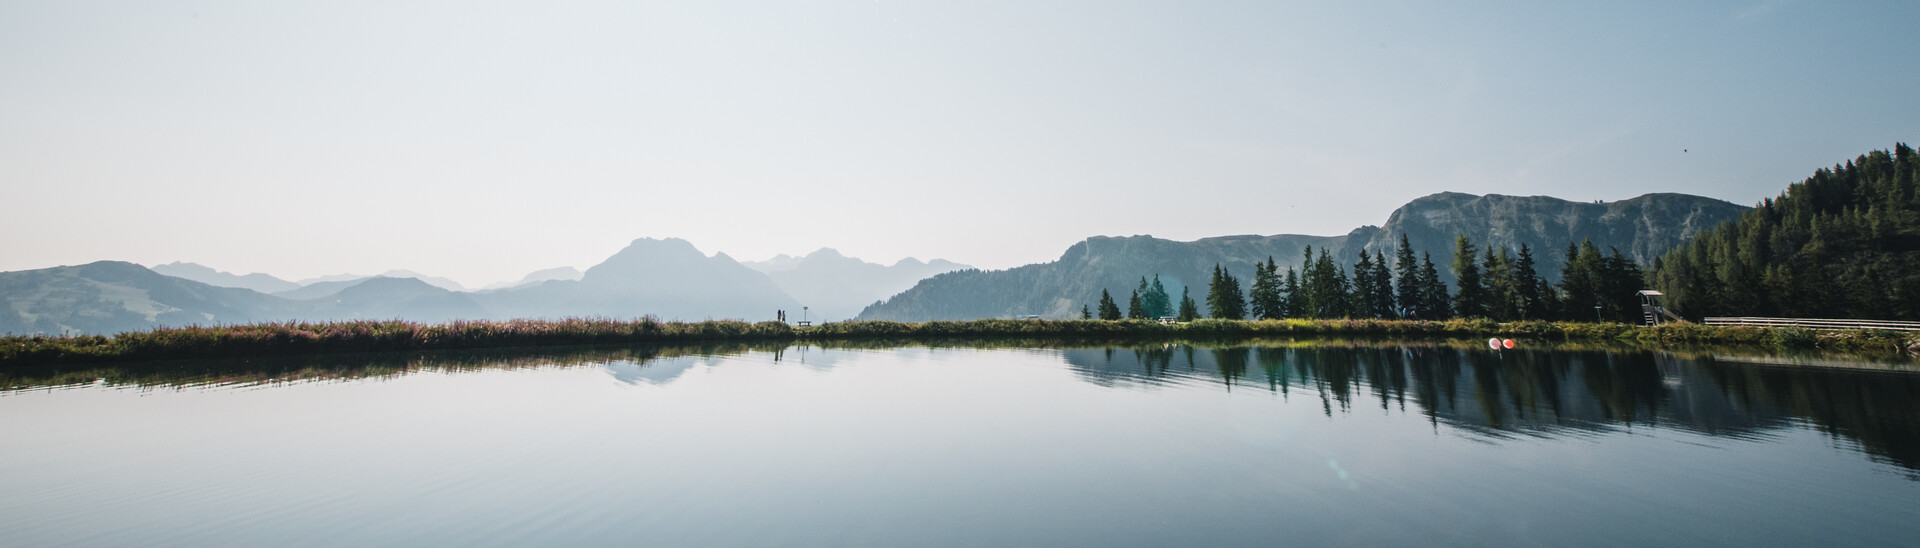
x=1156 y=445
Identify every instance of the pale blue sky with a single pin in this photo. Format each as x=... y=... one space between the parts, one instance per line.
x=481 y=141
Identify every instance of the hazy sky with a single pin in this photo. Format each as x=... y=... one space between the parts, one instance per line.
x=481 y=141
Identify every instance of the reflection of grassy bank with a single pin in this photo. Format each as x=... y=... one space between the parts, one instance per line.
x=368 y=365
x=296 y=339
x=256 y=370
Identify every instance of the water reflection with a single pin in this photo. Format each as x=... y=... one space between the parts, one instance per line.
x=1493 y=394
x=1509 y=393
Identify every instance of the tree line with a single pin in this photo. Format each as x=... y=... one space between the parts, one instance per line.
x=1503 y=286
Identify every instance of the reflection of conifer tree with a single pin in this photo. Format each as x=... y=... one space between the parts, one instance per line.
x=1274 y=364
x=1233 y=362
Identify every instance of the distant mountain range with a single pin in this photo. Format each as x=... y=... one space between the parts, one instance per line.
x=666 y=278
x=266 y=283
x=113 y=296
x=219 y=278
x=671 y=279
x=1641 y=228
x=540 y=276
x=837 y=287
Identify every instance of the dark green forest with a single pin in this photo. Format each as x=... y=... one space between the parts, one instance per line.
x=1844 y=243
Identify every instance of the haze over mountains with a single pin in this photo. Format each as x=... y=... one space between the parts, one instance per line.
x=263 y=283
x=666 y=278
x=837 y=287
x=1641 y=227
x=539 y=276
x=671 y=279
x=266 y=283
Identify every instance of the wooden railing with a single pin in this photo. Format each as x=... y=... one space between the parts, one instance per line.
x=1812 y=323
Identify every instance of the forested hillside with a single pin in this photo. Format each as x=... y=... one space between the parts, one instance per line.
x=1844 y=243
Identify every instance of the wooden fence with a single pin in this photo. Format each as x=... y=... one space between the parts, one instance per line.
x=1812 y=323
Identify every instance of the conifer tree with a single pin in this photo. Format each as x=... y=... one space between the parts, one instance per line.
x=1470 y=300
x=1579 y=282
x=1085 y=314
x=1497 y=270
x=1291 y=300
x=1362 y=298
x=1236 y=301
x=1223 y=296
x=1530 y=292
x=1279 y=298
x=1408 y=286
x=1188 y=310
x=1154 y=298
x=1348 y=299
x=1108 y=310
x=1264 y=302
x=1311 y=299
x=1620 y=283
x=1134 y=310
x=1435 y=305
x=1381 y=297
x=1325 y=288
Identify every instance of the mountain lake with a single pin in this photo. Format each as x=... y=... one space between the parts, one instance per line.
x=1266 y=443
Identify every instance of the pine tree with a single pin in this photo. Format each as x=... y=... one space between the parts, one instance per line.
x=1213 y=292
x=1579 y=282
x=1528 y=288
x=1408 y=289
x=1223 y=296
x=1497 y=270
x=1188 y=310
x=1310 y=300
x=1470 y=301
x=1350 y=300
x=1108 y=310
x=1155 y=299
x=1264 y=302
x=1362 y=301
x=1435 y=305
x=1085 y=314
x=1290 y=302
x=1380 y=295
x=1620 y=283
x=1134 y=310
x=1236 y=301
x=1325 y=287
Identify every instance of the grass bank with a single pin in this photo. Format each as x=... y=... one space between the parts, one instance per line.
x=292 y=339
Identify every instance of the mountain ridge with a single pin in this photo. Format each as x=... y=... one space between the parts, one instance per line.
x=1641 y=227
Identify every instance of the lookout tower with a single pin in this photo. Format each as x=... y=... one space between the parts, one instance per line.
x=1651 y=311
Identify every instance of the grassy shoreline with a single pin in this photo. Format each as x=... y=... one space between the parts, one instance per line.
x=296 y=338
